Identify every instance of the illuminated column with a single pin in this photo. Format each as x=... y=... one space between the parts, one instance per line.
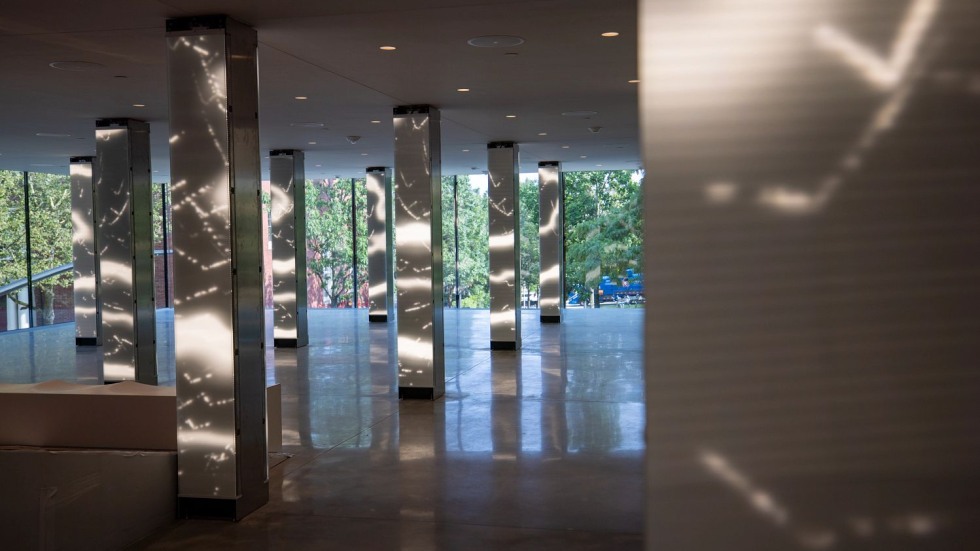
x=288 y=187
x=123 y=210
x=505 y=246
x=381 y=215
x=84 y=254
x=551 y=232
x=218 y=309
x=421 y=366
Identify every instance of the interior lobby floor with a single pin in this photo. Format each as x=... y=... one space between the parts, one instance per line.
x=541 y=448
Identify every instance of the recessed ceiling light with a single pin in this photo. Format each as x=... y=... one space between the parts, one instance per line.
x=542 y=133
x=139 y=105
x=300 y=97
x=610 y=34
x=583 y=157
x=495 y=41
x=466 y=151
x=363 y=154
x=307 y=124
x=375 y=122
x=598 y=165
x=311 y=143
x=462 y=89
x=76 y=66
x=635 y=81
x=579 y=114
x=511 y=116
x=156 y=171
x=387 y=48
x=565 y=146
x=52 y=135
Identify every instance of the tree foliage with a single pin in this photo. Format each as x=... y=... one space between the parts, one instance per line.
x=50 y=223
x=474 y=243
x=603 y=226
x=329 y=242
x=530 y=241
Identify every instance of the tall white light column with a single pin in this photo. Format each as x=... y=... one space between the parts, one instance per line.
x=505 y=246
x=421 y=356
x=381 y=250
x=84 y=253
x=288 y=186
x=123 y=208
x=551 y=232
x=217 y=239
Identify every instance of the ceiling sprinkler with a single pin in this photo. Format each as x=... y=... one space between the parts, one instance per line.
x=595 y=129
x=353 y=139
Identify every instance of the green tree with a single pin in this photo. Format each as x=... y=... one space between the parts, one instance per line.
x=50 y=213
x=530 y=240
x=603 y=226
x=448 y=242
x=474 y=246
x=329 y=241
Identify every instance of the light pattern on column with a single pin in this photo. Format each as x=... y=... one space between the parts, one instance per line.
x=505 y=242
x=551 y=232
x=288 y=187
x=84 y=248
x=380 y=217
x=218 y=309
x=125 y=238
x=418 y=199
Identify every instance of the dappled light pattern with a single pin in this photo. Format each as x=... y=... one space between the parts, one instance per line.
x=502 y=192
x=288 y=189
x=218 y=314
x=419 y=243
x=125 y=253
x=551 y=233
x=812 y=235
x=88 y=323
x=380 y=247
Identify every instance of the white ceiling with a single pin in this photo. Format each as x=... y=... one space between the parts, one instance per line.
x=328 y=51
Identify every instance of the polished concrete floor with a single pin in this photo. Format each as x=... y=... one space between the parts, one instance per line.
x=536 y=449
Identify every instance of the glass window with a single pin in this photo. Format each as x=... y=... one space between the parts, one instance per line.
x=604 y=237
x=360 y=237
x=449 y=275
x=328 y=243
x=13 y=251
x=163 y=267
x=474 y=241
x=530 y=241
x=49 y=196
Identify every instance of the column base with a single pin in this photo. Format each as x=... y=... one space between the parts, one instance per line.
x=503 y=345
x=550 y=319
x=221 y=509
x=86 y=341
x=287 y=343
x=416 y=393
x=378 y=318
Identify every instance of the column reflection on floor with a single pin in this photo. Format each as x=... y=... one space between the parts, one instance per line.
x=543 y=443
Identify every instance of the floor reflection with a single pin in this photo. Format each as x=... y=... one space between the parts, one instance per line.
x=545 y=442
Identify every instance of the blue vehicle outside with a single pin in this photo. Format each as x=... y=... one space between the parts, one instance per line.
x=627 y=290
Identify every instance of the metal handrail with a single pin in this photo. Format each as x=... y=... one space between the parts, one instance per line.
x=21 y=283
x=57 y=270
